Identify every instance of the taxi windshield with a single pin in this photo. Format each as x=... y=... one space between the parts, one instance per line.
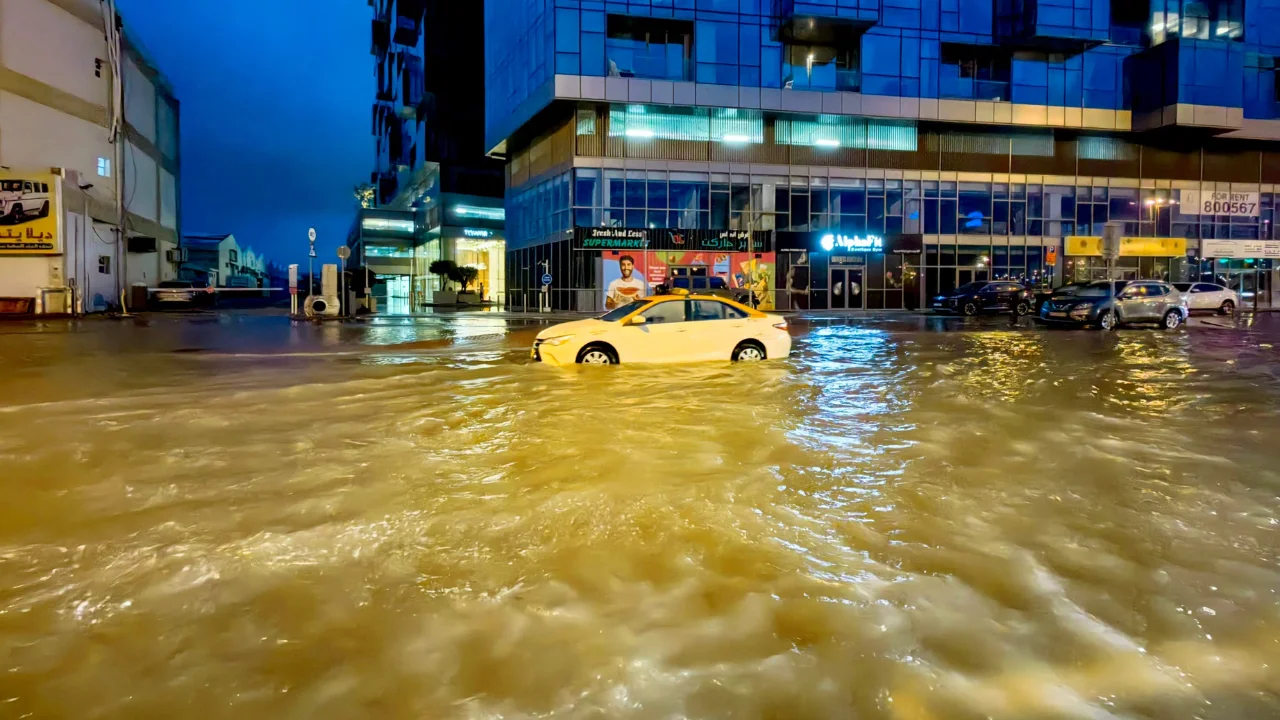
x=618 y=313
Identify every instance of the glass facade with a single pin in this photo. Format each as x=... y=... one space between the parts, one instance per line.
x=1037 y=52
x=748 y=116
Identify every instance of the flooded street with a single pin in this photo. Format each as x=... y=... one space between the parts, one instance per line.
x=227 y=516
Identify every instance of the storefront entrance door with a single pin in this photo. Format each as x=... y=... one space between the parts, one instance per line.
x=966 y=275
x=846 y=288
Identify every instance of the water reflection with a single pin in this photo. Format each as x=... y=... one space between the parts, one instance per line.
x=410 y=520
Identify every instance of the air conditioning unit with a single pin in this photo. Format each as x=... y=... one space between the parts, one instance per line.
x=176 y=255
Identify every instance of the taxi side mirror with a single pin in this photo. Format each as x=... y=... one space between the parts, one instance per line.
x=638 y=320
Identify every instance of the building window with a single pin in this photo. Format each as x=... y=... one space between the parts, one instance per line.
x=820 y=67
x=652 y=48
x=1200 y=19
x=104 y=167
x=973 y=73
x=233 y=256
x=104 y=264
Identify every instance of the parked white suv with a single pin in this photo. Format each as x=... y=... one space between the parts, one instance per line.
x=21 y=199
x=1209 y=296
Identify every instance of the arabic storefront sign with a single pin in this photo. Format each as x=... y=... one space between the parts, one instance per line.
x=603 y=238
x=1240 y=249
x=1082 y=245
x=1213 y=202
x=29 y=213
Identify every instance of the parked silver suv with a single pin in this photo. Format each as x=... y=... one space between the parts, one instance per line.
x=1110 y=303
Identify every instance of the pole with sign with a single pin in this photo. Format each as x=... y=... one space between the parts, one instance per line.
x=293 y=289
x=1111 y=233
x=343 y=253
x=311 y=269
x=544 y=299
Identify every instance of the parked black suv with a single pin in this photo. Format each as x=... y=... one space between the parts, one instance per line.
x=985 y=297
x=1044 y=294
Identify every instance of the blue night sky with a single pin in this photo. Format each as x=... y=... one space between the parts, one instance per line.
x=275 y=101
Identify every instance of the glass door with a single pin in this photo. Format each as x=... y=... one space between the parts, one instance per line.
x=846 y=288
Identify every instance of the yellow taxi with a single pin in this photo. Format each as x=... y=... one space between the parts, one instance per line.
x=667 y=329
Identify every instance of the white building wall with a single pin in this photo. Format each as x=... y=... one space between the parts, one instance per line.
x=84 y=243
x=45 y=42
x=141 y=191
x=38 y=137
x=168 y=270
x=23 y=276
x=168 y=199
x=139 y=100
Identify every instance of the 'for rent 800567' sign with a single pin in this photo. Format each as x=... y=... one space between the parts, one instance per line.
x=1215 y=202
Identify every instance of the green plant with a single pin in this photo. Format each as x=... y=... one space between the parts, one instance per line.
x=446 y=269
x=467 y=275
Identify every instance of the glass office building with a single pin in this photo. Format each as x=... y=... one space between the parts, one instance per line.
x=1006 y=134
x=434 y=194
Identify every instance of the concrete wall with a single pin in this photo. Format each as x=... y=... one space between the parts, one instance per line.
x=168 y=199
x=43 y=41
x=139 y=100
x=37 y=136
x=141 y=183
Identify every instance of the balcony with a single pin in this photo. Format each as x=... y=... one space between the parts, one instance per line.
x=412 y=84
x=821 y=78
x=650 y=48
x=408 y=30
x=1190 y=84
x=381 y=37
x=1055 y=26
x=798 y=14
x=388 y=185
x=972 y=72
x=386 y=89
x=381 y=110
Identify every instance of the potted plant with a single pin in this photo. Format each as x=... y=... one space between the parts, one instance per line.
x=446 y=271
x=465 y=276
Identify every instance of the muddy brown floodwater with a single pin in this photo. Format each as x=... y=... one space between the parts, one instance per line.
x=230 y=517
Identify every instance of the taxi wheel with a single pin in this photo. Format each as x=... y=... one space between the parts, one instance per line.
x=1022 y=308
x=748 y=352
x=597 y=354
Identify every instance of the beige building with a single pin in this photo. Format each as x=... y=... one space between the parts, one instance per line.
x=58 y=109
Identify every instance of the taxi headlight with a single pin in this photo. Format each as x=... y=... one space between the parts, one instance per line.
x=557 y=340
x=1082 y=310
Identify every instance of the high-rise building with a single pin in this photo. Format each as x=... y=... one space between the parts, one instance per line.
x=88 y=148
x=872 y=153
x=436 y=194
